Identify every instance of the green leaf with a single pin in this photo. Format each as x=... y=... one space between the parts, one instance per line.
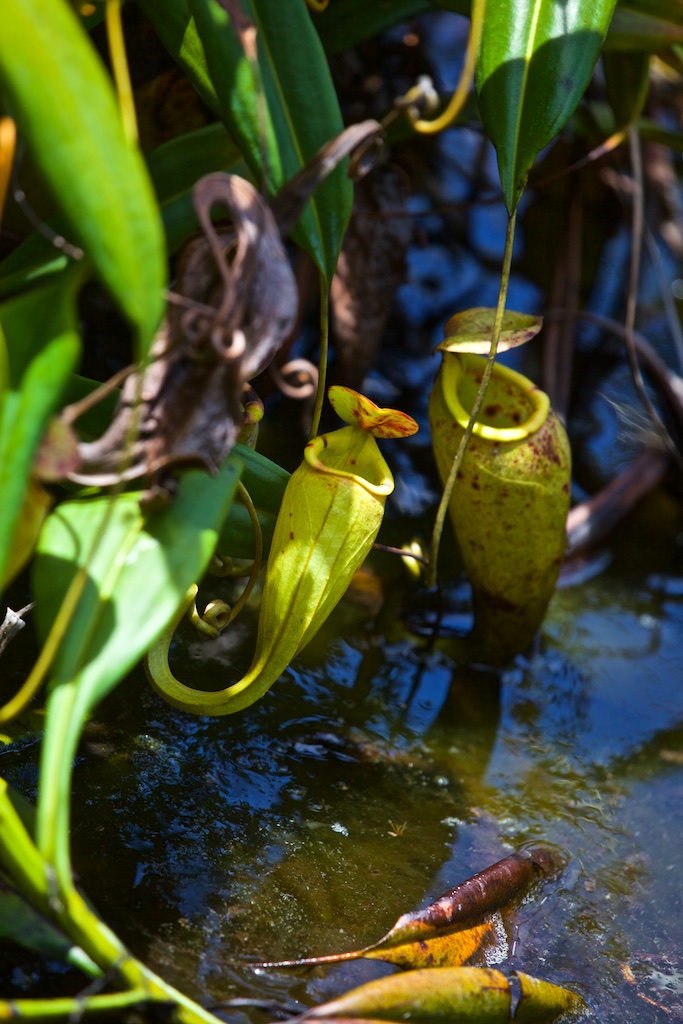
x=56 y=88
x=345 y=23
x=177 y=165
x=472 y=329
x=633 y=29
x=40 y=328
x=21 y=923
x=535 y=62
x=301 y=112
x=134 y=570
x=174 y=167
x=627 y=78
x=451 y=995
x=174 y=24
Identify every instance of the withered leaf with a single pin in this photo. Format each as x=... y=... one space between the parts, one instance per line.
x=371 y=266
x=234 y=304
x=452 y=929
x=236 y=279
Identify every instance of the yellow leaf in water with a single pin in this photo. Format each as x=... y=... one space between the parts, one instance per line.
x=450 y=950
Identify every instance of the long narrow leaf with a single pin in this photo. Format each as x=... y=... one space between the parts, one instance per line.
x=136 y=570
x=174 y=24
x=41 y=348
x=62 y=99
x=22 y=924
x=300 y=114
x=535 y=62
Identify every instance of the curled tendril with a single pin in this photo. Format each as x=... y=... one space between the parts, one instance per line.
x=297 y=369
x=214 y=619
x=217 y=614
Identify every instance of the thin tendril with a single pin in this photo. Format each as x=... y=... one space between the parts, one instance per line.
x=258 y=552
x=476 y=408
x=457 y=100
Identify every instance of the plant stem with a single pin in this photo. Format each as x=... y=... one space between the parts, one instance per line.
x=322 y=362
x=119 y=62
x=66 y=1008
x=476 y=408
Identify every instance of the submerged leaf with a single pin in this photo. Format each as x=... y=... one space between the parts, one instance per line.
x=472 y=330
x=479 y=896
x=452 y=929
x=452 y=949
x=451 y=995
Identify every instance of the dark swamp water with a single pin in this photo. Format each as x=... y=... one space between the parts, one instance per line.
x=378 y=773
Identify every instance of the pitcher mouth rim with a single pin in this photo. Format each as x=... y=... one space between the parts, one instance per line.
x=453 y=370
x=379 y=490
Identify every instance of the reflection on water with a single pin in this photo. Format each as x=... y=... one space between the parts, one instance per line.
x=376 y=776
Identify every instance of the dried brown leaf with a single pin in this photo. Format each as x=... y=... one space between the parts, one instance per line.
x=453 y=928
x=371 y=267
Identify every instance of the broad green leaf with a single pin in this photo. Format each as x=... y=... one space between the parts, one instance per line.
x=300 y=114
x=176 y=165
x=135 y=570
x=451 y=995
x=57 y=89
x=265 y=482
x=40 y=329
x=31 y=264
x=535 y=62
x=264 y=479
x=471 y=330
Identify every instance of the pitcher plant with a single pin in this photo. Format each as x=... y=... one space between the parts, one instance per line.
x=331 y=513
x=510 y=503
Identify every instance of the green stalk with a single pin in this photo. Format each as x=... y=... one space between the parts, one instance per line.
x=18 y=855
x=322 y=362
x=67 y=1009
x=476 y=408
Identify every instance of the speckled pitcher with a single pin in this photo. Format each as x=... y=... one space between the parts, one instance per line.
x=510 y=502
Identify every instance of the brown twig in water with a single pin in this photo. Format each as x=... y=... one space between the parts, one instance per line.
x=591 y=522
